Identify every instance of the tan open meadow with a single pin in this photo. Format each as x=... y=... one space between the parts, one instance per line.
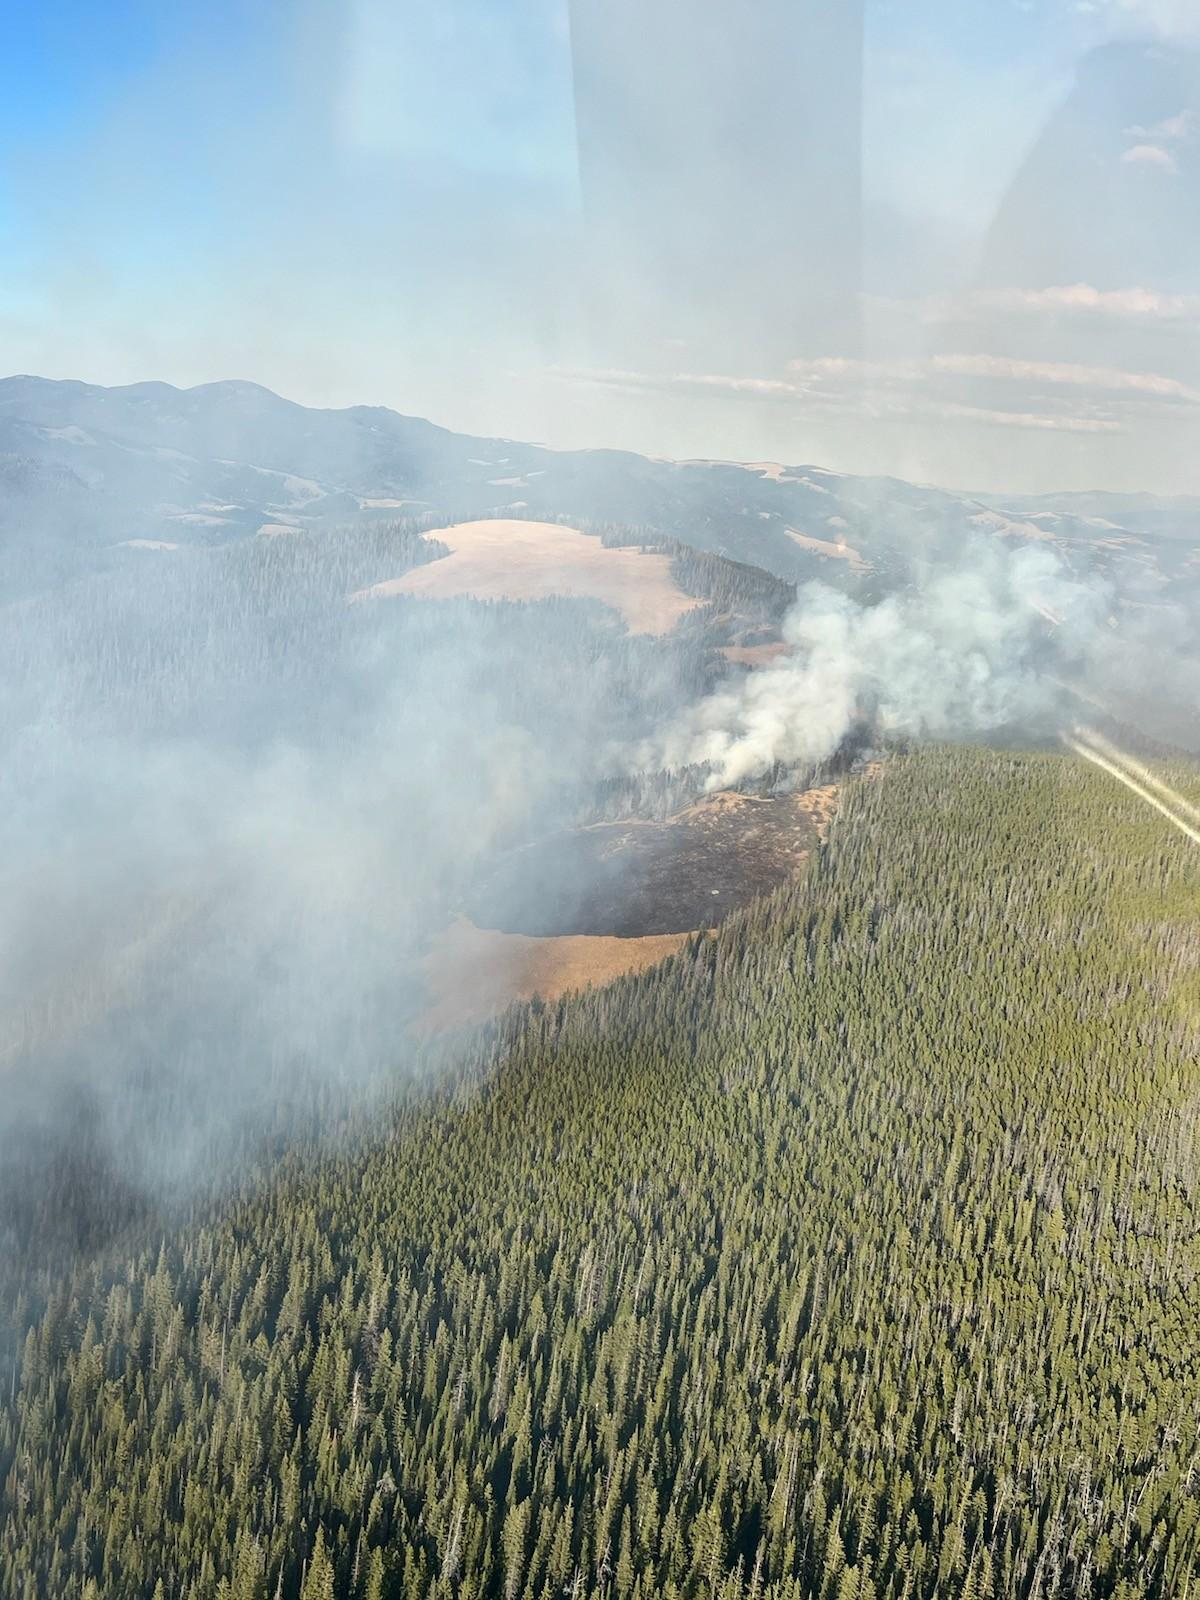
x=512 y=560
x=474 y=973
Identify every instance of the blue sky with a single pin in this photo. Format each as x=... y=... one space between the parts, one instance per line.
x=61 y=64
x=378 y=202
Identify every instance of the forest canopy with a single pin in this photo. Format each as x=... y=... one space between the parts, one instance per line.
x=851 y=1254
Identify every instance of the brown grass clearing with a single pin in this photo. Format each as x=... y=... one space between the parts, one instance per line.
x=474 y=973
x=819 y=806
x=513 y=560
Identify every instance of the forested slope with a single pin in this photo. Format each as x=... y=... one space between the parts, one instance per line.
x=852 y=1254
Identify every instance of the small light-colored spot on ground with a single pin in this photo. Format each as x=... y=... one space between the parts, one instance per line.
x=755 y=655
x=839 y=551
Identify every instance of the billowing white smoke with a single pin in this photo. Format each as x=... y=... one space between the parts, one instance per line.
x=960 y=656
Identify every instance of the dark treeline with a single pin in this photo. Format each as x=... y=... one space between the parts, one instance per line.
x=851 y=1255
x=731 y=586
x=231 y=633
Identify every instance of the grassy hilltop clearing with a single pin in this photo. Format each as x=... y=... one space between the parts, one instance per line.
x=853 y=1253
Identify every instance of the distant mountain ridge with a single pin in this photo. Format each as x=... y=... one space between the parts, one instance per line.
x=92 y=467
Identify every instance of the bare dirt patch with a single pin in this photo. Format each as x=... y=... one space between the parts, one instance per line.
x=755 y=655
x=819 y=805
x=473 y=973
x=513 y=560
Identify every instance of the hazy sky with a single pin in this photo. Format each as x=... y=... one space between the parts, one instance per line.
x=379 y=202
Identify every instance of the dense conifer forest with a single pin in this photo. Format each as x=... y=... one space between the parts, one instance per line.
x=851 y=1255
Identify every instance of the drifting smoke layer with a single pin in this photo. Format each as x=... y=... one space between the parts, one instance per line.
x=194 y=936
x=235 y=806
x=963 y=655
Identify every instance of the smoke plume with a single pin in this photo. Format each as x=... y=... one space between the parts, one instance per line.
x=963 y=655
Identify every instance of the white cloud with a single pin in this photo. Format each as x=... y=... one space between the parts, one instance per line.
x=1132 y=305
x=1001 y=369
x=1054 y=396
x=1149 y=155
x=1167 y=19
x=724 y=383
x=1038 y=421
x=1072 y=374
x=1175 y=129
x=829 y=376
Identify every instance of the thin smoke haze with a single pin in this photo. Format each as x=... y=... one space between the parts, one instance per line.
x=964 y=655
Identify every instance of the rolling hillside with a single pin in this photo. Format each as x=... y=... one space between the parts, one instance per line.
x=93 y=468
x=854 y=1254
